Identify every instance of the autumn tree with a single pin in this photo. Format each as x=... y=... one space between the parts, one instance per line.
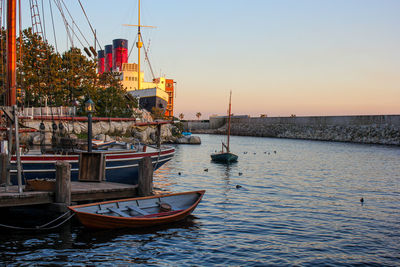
x=38 y=72
x=47 y=76
x=181 y=116
x=78 y=76
x=198 y=115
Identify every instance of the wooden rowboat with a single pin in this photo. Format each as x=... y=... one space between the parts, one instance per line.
x=138 y=212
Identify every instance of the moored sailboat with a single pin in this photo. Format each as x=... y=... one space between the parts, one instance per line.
x=225 y=156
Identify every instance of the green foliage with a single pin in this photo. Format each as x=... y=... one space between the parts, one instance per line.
x=111 y=102
x=82 y=136
x=47 y=76
x=178 y=129
x=157 y=113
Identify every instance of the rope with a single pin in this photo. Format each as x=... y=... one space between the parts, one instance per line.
x=147 y=58
x=73 y=22
x=133 y=45
x=58 y=5
x=44 y=22
x=158 y=157
x=84 y=12
x=43 y=226
x=52 y=21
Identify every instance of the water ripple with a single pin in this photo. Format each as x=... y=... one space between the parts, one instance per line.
x=299 y=206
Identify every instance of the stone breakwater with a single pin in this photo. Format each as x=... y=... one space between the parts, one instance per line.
x=383 y=130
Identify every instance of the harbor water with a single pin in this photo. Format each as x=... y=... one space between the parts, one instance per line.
x=284 y=203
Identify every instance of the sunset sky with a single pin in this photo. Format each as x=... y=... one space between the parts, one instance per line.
x=279 y=57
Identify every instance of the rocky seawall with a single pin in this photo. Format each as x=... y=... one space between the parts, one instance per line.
x=128 y=130
x=383 y=130
x=101 y=130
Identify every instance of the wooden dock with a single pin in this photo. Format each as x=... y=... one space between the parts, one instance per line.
x=80 y=191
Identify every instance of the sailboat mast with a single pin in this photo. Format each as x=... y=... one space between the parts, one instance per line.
x=11 y=97
x=139 y=45
x=229 y=121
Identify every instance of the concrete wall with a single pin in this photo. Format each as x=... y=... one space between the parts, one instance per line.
x=326 y=120
x=219 y=121
x=189 y=126
x=378 y=129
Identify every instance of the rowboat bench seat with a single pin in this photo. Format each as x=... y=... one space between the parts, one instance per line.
x=104 y=210
x=122 y=211
x=160 y=214
x=138 y=210
x=144 y=213
x=119 y=212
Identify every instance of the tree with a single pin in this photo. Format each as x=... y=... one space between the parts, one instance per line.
x=111 y=98
x=198 y=115
x=181 y=116
x=78 y=76
x=38 y=73
x=59 y=80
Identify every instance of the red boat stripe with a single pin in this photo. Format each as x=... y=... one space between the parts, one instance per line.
x=54 y=158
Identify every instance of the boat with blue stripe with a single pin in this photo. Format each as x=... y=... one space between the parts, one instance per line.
x=122 y=165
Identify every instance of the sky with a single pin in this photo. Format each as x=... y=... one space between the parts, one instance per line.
x=279 y=57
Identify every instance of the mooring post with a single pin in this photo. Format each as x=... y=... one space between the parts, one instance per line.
x=63 y=183
x=145 y=183
x=158 y=135
x=3 y=169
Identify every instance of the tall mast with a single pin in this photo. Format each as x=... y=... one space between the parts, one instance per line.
x=11 y=97
x=139 y=45
x=229 y=120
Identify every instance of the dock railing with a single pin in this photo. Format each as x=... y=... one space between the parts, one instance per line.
x=47 y=111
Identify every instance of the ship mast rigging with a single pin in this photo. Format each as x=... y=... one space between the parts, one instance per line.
x=139 y=43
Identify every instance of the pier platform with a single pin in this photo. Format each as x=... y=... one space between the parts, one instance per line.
x=80 y=191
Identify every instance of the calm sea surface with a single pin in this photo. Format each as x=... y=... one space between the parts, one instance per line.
x=298 y=204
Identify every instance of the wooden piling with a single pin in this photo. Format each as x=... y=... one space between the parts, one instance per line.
x=145 y=184
x=63 y=183
x=3 y=168
x=92 y=167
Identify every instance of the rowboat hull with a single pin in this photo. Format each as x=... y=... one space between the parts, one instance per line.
x=121 y=166
x=224 y=157
x=100 y=215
